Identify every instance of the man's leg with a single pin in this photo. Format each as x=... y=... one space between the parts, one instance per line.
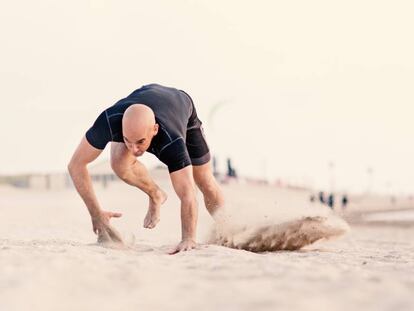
x=134 y=173
x=204 y=178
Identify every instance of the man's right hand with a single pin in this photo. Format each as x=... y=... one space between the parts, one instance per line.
x=101 y=227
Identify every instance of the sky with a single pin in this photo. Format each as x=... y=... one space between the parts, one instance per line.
x=310 y=92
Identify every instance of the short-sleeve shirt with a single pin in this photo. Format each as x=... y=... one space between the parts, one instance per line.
x=174 y=113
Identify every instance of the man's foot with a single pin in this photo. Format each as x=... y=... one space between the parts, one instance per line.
x=153 y=215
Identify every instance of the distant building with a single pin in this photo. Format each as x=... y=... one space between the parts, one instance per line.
x=101 y=174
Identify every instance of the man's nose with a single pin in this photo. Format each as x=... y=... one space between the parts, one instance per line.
x=135 y=149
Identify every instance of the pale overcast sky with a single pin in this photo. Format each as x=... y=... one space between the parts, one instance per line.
x=300 y=83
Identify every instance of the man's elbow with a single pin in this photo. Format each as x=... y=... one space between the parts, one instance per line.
x=70 y=167
x=73 y=166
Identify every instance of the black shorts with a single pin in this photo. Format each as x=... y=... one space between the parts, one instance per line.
x=197 y=146
x=196 y=143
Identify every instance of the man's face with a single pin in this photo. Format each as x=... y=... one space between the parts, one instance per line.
x=139 y=143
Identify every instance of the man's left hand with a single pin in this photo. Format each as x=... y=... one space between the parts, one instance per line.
x=185 y=245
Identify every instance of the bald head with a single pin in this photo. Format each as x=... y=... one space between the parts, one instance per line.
x=137 y=118
x=138 y=127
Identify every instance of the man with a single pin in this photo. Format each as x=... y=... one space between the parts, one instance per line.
x=162 y=121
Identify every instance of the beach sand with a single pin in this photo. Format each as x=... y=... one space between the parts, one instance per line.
x=49 y=259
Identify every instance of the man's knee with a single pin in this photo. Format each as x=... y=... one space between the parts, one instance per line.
x=119 y=168
x=119 y=161
x=206 y=183
x=208 y=189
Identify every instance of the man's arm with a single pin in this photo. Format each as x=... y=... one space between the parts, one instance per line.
x=84 y=154
x=184 y=186
x=78 y=171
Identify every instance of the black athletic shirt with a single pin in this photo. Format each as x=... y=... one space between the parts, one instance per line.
x=174 y=112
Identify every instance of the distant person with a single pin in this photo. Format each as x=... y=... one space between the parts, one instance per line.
x=231 y=172
x=322 y=197
x=215 y=170
x=331 y=201
x=163 y=121
x=344 y=201
x=312 y=198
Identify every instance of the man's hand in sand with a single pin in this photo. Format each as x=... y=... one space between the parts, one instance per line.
x=185 y=245
x=101 y=227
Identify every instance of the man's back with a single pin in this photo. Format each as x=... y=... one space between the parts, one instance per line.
x=172 y=109
x=174 y=113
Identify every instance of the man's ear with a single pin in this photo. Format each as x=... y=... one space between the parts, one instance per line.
x=156 y=126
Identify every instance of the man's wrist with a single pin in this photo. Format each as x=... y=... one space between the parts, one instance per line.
x=188 y=239
x=95 y=213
